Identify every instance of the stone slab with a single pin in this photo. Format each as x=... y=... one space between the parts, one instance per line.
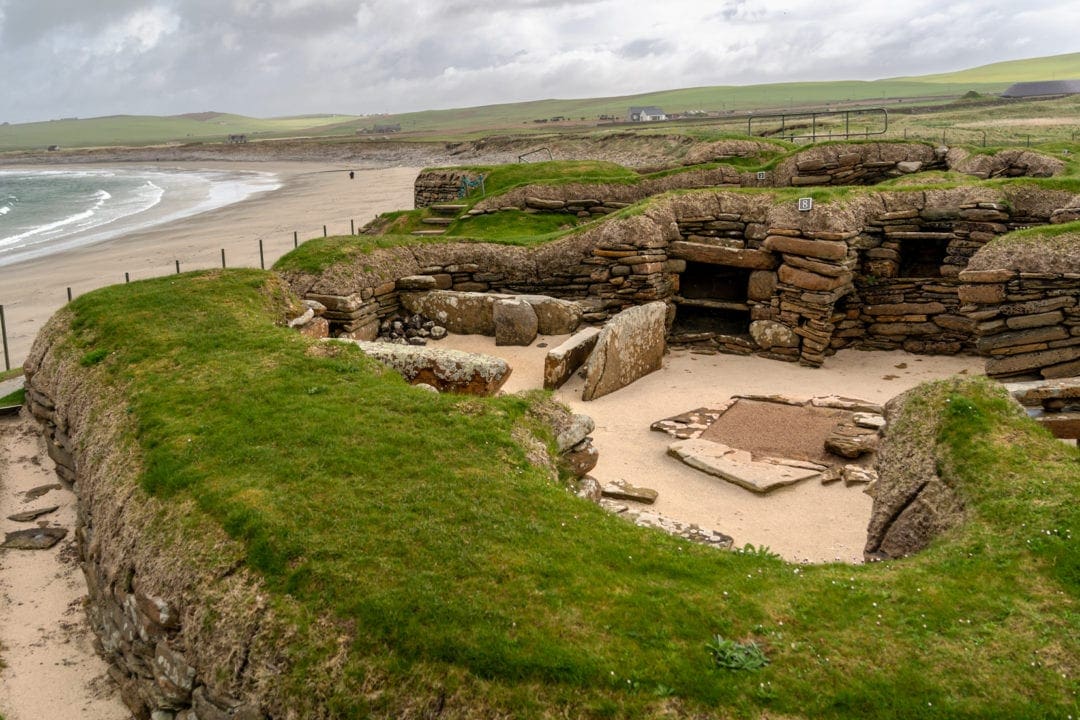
x=821 y=249
x=515 y=322
x=31 y=515
x=629 y=347
x=1064 y=425
x=738 y=466
x=446 y=370
x=33 y=539
x=563 y=361
x=622 y=490
x=720 y=255
x=691 y=424
x=1035 y=391
x=843 y=403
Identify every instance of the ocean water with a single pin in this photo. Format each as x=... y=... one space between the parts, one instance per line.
x=48 y=211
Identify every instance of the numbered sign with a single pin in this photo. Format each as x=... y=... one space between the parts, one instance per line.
x=806 y=204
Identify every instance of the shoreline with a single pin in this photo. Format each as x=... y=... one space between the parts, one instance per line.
x=310 y=196
x=179 y=200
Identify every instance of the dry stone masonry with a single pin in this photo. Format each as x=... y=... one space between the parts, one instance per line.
x=139 y=632
x=751 y=273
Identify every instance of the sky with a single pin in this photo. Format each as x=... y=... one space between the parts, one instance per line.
x=266 y=58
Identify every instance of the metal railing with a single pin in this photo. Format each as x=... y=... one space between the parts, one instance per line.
x=823 y=131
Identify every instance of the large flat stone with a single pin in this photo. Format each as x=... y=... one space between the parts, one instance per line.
x=739 y=466
x=807 y=280
x=465 y=313
x=562 y=362
x=472 y=313
x=622 y=490
x=446 y=370
x=1017 y=364
x=515 y=322
x=1035 y=391
x=1022 y=337
x=554 y=316
x=719 y=255
x=33 y=539
x=1064 y=425
x=31 y=515
x=821 y=249
x=629 y=347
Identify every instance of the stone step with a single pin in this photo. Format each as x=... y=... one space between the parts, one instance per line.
x=447 y=209
x=1062 y=425
x=437 y=220
x=425 y=233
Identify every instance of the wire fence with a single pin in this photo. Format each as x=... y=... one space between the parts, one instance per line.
x=262 y=253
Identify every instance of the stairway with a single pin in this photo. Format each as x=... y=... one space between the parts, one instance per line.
x=443 y=215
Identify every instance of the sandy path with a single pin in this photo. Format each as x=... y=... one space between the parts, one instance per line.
x=312 y=195
x=804 y=522
x=51 y=668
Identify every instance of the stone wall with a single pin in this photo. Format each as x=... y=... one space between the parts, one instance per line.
x=1028 y=324
x=857 y=163
x=172 y=659
x=865 y=163
x=873 y=270
x=438 y=186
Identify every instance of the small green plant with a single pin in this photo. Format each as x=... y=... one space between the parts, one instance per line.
x=761 y=551
x=93 y=357
x=732 y=655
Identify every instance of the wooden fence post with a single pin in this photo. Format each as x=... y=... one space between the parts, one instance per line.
x=3 y=333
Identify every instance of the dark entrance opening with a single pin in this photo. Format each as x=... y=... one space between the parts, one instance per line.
x=712 y=299
x=923 y=258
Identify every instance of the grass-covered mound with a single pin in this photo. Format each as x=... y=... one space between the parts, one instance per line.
x=1047 y=249
x=429 y=567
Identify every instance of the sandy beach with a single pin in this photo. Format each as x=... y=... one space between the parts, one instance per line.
x=311 y=195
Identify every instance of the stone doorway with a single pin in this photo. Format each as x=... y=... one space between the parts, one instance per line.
x=923 y=258
x=712 y=299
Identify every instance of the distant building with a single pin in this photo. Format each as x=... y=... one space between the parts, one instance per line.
x=1042 y=89
x=648 y=113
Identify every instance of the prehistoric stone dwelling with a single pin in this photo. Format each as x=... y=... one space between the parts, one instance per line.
x=774 y=273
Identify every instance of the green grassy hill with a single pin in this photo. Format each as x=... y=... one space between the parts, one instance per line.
x=1054 y=67
x=152 y=130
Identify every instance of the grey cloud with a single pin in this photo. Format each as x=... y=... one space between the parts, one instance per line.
x=264 y=57
x=643 y=47
x=27 y=22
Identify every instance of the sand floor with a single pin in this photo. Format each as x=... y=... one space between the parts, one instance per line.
x=51 y=668
x=807 y=522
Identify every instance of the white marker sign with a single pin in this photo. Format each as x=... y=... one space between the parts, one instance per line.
x=806 y=204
